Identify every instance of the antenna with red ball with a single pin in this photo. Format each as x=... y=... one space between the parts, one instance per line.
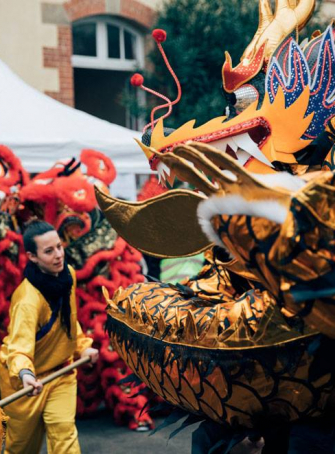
x=137 y=80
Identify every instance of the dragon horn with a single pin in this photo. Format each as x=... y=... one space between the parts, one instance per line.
x=289 y=16
x=292 y=4
x=304 y=12
x=265 y=19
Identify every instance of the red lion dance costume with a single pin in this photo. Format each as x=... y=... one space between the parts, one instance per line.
x=12 y=256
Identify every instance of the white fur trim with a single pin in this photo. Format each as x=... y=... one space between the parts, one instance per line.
x=280 y=180
x=235 y=204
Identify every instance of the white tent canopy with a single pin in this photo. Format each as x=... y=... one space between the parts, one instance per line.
x=41 y=130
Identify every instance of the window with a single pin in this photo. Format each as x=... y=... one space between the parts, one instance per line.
x=84 y=40
x=113 y=35
x=105 y=43
x=129 y=45
x=105 y=53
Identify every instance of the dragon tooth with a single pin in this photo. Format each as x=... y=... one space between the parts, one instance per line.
x=163 y=172
x=170 y=179
x=245 y=142
x=176 y=319
x=239 y=332
x=221 y=144
x=242 y=156
x=165 y=169
x=160 y=172
x=232 y=144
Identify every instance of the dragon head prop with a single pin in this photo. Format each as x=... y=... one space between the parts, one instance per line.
x=297 y=109
x=64 y=195
x=12 y=178
x=277 y=131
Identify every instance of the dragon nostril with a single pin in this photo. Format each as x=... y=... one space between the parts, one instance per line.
x=231 y=98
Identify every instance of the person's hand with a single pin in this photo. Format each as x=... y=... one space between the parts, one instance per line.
x=246 y=446
x=29 y=380
x=93 y=353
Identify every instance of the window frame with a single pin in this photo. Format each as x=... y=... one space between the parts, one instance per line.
x=102 y=61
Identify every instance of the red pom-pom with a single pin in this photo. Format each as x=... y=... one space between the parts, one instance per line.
x=137 y=80
x=159 y=35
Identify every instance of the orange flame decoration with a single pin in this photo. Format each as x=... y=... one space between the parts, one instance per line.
x=280 y=129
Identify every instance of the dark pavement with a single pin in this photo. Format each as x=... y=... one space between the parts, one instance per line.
x=101 y=435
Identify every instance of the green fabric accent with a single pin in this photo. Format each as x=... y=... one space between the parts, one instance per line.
x=175 y=270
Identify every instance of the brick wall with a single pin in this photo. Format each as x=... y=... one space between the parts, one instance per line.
x=77 y=9
x=129 y=9
x=60 y=57
x=72 y=10
x=134 y=10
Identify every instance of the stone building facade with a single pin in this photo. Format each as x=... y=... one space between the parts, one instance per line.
x=60 y=46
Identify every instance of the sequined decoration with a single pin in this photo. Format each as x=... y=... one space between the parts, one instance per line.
x=245 y=95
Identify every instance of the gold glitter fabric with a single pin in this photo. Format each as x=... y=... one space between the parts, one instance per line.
x=142 y=226
x=221 y=344
x=295 y=260
x=231 y=361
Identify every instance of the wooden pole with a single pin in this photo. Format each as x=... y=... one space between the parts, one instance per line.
x=23 y=392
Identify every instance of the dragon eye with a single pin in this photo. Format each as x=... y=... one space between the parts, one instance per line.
x=245 y=95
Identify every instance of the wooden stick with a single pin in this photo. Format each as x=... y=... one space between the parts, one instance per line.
x=23 y=392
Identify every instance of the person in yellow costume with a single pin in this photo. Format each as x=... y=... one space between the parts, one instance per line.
x=43 y=336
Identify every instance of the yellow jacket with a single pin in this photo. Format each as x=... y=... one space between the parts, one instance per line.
x=29 y=311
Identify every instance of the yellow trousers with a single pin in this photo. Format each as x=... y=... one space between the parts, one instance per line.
x=53 y=411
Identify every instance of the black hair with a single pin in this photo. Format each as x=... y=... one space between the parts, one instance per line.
x=35 y=228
